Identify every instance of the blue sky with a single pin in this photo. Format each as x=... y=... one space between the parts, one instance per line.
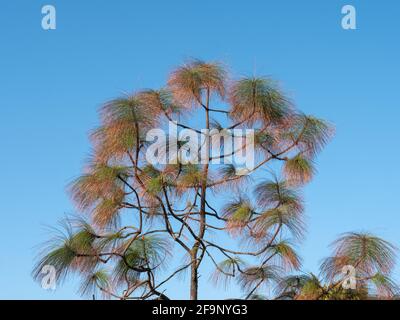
x=52 y=82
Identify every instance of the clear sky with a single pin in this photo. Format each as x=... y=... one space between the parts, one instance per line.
x=52 y=82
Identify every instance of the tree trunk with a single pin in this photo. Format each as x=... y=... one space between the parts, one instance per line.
x=194 y=284
x=194 y=280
